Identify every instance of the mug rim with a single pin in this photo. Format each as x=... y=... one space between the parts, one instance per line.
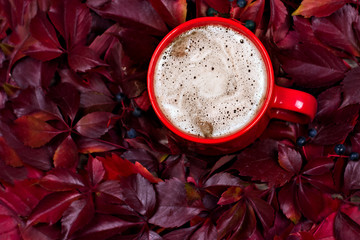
x=198 y=22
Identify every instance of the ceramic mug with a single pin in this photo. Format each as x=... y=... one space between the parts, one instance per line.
x=280 y=103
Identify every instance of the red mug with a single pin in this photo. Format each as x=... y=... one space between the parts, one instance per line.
x=280 y=103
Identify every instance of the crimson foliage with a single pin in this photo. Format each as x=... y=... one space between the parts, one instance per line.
x=83 y=157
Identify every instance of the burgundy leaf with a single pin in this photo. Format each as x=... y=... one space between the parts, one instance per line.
x=95 y=124
x=95 y=170
x=42 y=30
x=313 y=66
x=88 y=145
x=220 y=6
x=258 y=160
x=9 y=174
x=9 y=225
x=38 y=50
x=8 y=155
x=22 y=197
x=143 y=101
x=67 y=97
x=309 y=8
x=351 y=87
x=328 y=102
x=34 y=132
x=139 y=194
x=43 y=232
x=318 y=166
x=287 y=202
x=231 y=220
x=32 y=72
x=351 y=176
x=206 y=231
x=82 y=59
x=254 y=11
x=305 y=31
x=174 y=168
x=355 y=139
x=345 y=227
x=51 y=208
x=325 y=228
x=278 y=22
x=337 y=127
x=180 y=233
x=61 y=180
x=103 y=227
x=337 y=31
x=79 y=213
x=66 y=154
x=310 y=202
x=112 y=189
x=144 y=157
x=137 y=14
x=173 y=209
x=263 y=210
x=72 y=19
x=172 y=12
x=289 y=159
x=231 y=195
x=96 y=101
x=221 y=181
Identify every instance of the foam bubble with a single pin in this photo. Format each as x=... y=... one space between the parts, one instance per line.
x=210 y=81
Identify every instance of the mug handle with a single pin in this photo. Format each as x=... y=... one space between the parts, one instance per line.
x=292 y=105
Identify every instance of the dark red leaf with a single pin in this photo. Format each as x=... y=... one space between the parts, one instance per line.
x=172 y=12
x=231 y=195
x=231 y=220
x=32 y=72
x=88 y=145
x=278 y=22
x=9 y=225
x=180 y=233
x=79 y=213
x=173 y=209
x=258 y=160
x=351 y=176
x=310 y=202
x=72 y=19
x=82 y=59
x=139 y=194
x=351 y=87
x=62 y=180
x=142 y=156
x=174 y=168
x=263 y=210
x=137 y=14
x=42 y=30
x=289 y=159
x=328 y=102
x=309 y=8
x=206 y=231
x=325 y=228
x=51 y=208
x=355 y=139
x=66 y=154
x=95 y=170
x=220 y=6
x=345 y=227
x=43 y=232
x=103 y=227
x=8 y=155
x=67 y=97
x=143 y=101
x=337 y=127
x=96 y=101
x=337 y=30
x=287 y=202
x=34 y=132
x=95 y=124
x=254 y=11
x=219 y=182
x=37 y=50
x=305 y=31
x=313 y=66
x=112 y=189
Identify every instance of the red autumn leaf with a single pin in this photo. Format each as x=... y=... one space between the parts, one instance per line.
x=22 y=197
x=313 y=66
x=287 y=202
x=345 y=227
x=310 y=201
x=258 y=160
x=72 y=19
x=173 y=209
x=328 y=102
x=351 y=176
x=96 y=101
x=9 y=225
x=254 y=11
x=181 y=233
x=143 y=101
x=174 y=168
x=95 y=170
x=220 y=6
x=231 y=195
x=40 y=232
x=263 y=210
x=309 y=8
x=42 y=30
x=87 y=145
x=32 y=72
x=79 y=213
x=289 y=159
x=139 y=194
x=172 y=12
x=61 y=179
x=355 y=139
x=103 y=227
x=67 y=97
x=9 y=155
x=82 y=59
x=51 y=208
x=137 y=14
x=304 y=31
x=351 y=87
x=34 y=132
x=337 y=30
x=95 y=124
x=143 y=156
x=220 y=181
x=206 y=231
x=37 y=50
x=317 y=172
x=66 y=154
x=278 y=22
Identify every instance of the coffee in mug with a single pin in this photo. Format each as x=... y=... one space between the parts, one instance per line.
x=210 y=81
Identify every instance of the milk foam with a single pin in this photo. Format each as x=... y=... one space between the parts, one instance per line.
x=210 y=82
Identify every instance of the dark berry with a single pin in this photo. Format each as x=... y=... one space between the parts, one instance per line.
x=312 y=132
x=137 y=112
x=300 y=141
x=354 y=156
x=211 y=12
x=119 y=97
x=339 y=149
x=250 y=25
x=131 y=133
x=241 y=3
x=231 y=0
